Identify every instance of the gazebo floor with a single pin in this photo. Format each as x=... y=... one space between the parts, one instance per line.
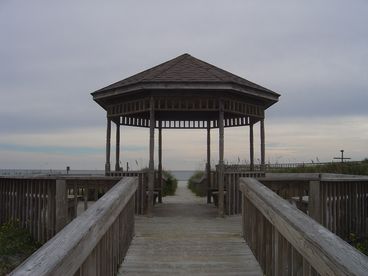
x=185 y=237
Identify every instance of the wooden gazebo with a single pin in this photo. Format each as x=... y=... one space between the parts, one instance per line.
x=184 y=93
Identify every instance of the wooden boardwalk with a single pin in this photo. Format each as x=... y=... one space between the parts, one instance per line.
x=185 y=237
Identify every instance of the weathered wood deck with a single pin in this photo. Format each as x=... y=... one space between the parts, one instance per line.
x=185 y=237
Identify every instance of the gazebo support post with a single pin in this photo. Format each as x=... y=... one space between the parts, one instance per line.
x=108 y=143
x=208 y=164
x=160 y=161
x=251 y=146
x=221 y=162
x=151 y=169
x=117 y=162
x=262 y=130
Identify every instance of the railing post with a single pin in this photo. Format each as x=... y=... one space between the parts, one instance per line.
x=221 y=185
x=61 y=204
x=151 y=169
x=108 y=146
x=160 y=162
x=275 y=252
x=117 y=148
x=263 y=154
x=251 y=146
x=314 y=202
x=208 y=164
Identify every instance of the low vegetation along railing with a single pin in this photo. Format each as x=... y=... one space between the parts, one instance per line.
x=286 y=241
x=94 y=243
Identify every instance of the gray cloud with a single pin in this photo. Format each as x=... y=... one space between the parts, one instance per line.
x=72 y=49
x=53 y=54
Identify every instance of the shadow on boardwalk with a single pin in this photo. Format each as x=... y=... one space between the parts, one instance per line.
x=185 y=237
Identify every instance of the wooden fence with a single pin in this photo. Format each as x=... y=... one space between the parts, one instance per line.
x=285 y=241
x=292 y=187
x=339 y=202
x=142 y=192
x=39 y=204
x=90 y=189
x=232 y=203
x=86 y=190
x=95 y=243
x=277 y=166
x=44 y=204
x=341 y=205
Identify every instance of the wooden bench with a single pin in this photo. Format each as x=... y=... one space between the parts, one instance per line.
x=156 y=195
x=73 y=205
x=300 y=203
x=214 y=195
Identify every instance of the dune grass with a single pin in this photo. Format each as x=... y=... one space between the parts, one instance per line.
x=356 y=168
x=170 y=185
x=192 y=184
x=16 y=244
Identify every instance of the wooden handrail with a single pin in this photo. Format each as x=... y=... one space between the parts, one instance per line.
x=73 y=246
x=326 y=253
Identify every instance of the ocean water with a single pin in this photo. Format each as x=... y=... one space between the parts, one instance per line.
x=181 y=175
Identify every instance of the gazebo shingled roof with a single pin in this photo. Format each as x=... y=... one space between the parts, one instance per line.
x=185 y=72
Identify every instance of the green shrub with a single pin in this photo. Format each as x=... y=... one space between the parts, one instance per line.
x=170 y=185
x=16 y=244
x=359 y=243
x=193 y=184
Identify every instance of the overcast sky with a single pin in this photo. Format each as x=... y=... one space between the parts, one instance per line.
x=53 y=54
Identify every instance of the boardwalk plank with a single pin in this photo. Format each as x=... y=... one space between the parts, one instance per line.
x=185 y=237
